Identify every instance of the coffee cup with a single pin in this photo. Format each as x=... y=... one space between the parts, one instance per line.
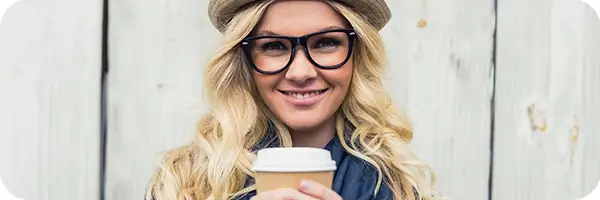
x=286 y=167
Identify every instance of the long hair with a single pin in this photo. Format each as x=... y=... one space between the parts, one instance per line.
x=218 y=161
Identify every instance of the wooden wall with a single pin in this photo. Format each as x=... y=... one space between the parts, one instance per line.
x=50 y=64
x=547 y=100
x=507 y=89
x=441 y=73
x=157 y=53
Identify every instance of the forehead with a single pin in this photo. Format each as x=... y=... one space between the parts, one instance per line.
x=299 y=17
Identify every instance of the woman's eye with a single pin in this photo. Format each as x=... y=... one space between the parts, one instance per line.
x=327 y=43
x=273 y=46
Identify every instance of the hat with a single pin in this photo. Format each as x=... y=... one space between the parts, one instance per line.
x=376 y=12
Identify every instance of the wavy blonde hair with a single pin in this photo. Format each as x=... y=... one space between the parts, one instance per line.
x=218 y=161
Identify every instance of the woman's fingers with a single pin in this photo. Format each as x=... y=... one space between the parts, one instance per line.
x=318 y=191
x=309 y=190
x=282 y=194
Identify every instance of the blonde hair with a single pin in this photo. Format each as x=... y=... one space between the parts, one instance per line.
x=217 y=163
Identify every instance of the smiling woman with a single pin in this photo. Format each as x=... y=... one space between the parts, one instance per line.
x=298 y=73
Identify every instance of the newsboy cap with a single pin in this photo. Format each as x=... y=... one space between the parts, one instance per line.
x=376 y=12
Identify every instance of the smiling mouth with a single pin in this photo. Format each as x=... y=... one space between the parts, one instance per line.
x=303 y=95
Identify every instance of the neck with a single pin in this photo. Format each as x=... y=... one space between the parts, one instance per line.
x=317 y=137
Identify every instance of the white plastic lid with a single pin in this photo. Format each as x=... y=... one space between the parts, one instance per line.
x=296 y=159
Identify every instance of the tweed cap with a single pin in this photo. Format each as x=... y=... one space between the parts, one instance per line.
x=376 y=12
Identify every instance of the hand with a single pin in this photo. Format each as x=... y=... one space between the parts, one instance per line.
x=309 y=190
x=318 y=191
x=282 y=194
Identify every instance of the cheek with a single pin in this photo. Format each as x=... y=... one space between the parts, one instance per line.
x=341 y=77
x=260 y=80
x=264 y=84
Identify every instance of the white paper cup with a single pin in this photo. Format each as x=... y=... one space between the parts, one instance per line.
x=285 y=167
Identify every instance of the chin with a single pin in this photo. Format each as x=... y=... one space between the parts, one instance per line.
x=301 y=125
x=302 y=128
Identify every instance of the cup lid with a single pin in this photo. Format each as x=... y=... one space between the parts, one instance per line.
x=293 y=159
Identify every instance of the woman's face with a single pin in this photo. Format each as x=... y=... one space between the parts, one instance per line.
x=303 y=96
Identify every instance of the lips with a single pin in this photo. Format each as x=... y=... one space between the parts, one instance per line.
x=303 y=98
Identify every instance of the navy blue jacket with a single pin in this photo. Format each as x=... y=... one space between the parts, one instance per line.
x=354 y=179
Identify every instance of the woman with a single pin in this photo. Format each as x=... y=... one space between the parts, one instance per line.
x=297 y=73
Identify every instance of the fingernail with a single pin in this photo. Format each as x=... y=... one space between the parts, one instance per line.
x=305 y=184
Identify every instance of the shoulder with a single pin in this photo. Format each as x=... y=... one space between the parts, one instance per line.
x=357 y=179
x=361 y=178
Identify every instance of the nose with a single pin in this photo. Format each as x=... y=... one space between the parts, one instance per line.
x=301 y=69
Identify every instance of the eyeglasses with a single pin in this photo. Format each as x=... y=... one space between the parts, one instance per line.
x=328 y=49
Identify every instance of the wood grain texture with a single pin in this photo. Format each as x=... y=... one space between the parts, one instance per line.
x=440 y=72
x=50 y=65
x=547 y=94
x=157 y=54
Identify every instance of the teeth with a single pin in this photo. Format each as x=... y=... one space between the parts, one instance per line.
x=303 y=95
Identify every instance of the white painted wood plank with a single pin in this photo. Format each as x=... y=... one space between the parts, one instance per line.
x=157 y=54
x=440 y=72
x=50 y=65
x=547 y=94
x=588 y=152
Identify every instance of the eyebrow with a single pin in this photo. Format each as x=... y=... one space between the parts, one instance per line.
x=266 y=32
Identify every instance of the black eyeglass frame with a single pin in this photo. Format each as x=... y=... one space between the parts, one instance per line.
x=295 y=41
